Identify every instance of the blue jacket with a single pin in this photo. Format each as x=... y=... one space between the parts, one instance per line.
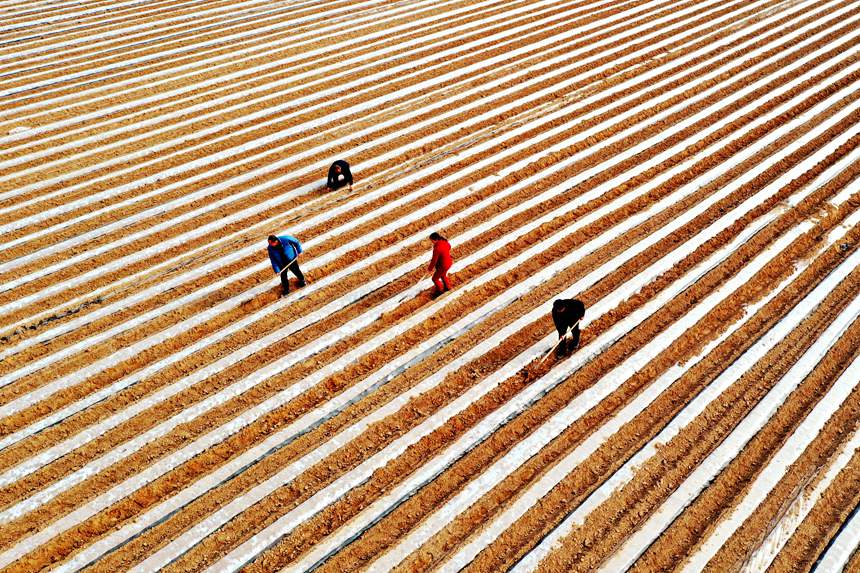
x=284 y=254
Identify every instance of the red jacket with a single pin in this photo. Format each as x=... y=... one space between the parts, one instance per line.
x=441 y=256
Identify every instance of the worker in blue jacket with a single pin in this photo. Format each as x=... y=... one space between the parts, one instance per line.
x=284 y=253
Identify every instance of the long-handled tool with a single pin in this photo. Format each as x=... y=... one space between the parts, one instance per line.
x=279 y=276
x=287 y=266
x=566 y=334
x=283 y=270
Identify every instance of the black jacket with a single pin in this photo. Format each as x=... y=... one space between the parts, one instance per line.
x=334 y=180
x=572 y=311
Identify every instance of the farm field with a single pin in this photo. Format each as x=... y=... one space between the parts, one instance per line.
x=689 y=169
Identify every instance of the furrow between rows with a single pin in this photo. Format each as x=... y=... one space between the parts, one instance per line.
x=776 y=364
x=483 y=512
x=528 y=528
x=221 y=537
x=122 y=37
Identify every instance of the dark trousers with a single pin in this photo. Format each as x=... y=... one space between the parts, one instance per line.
x=338 y=183
x=285 y=281
x=572 y=343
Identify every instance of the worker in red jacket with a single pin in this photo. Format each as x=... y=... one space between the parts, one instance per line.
x=440 y=263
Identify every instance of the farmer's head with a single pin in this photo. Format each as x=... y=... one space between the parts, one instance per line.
x=558 y=305
x=337 y=168
x=273 y=241
x=435 y=237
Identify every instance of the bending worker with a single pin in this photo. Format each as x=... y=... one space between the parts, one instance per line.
x=284 y=253
x=339 y=175
x=566 y=314
x=440 y=263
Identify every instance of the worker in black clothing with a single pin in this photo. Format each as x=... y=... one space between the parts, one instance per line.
x=566 y=314
x=339 y=175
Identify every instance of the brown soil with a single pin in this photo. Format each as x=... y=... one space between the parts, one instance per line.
x=629 y=57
